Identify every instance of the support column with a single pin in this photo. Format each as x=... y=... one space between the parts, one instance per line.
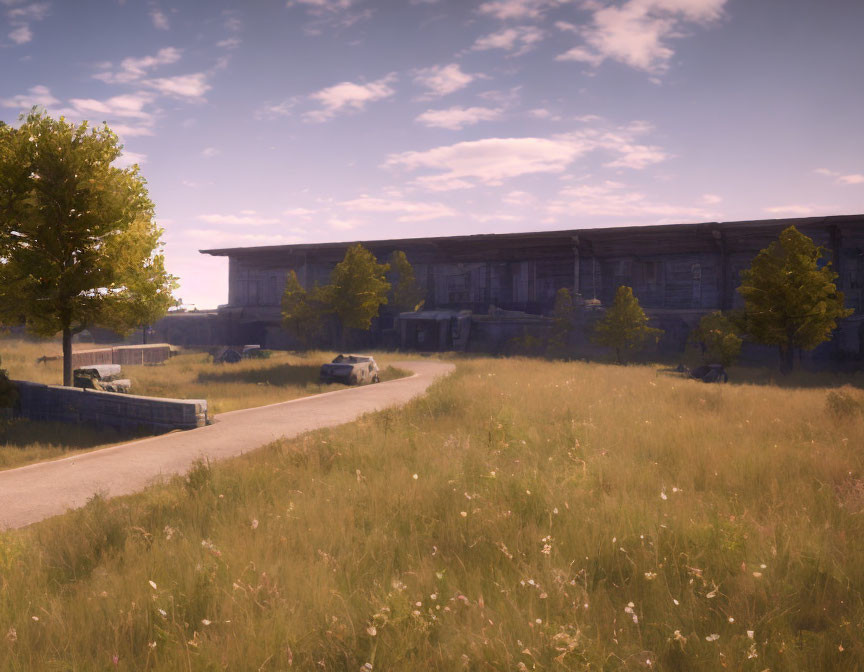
x=576 y=289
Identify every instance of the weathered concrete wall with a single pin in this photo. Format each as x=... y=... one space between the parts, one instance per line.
x=56 y=403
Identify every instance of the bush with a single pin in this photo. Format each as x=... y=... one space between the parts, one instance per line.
x=843 y=403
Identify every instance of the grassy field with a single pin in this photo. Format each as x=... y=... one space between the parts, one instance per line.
x=523 y=515
x=190 y=375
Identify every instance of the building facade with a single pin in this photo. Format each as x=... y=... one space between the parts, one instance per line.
x=678 y=272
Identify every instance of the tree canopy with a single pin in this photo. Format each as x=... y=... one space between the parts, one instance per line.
x=358 y=288
x=303 y=312
x=406 y=294
x=78 y=243
x=790 y=299
x=624 y=326
x=717 y=338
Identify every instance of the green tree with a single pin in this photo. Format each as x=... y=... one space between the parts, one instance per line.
x=148 y=301
x=790 y=299
x=77 y=238
x=8 y=394
x=624 y=327
x=717 y=338
x=303 y=312
x=563 y=323
x=405 y=293
x=358 y=288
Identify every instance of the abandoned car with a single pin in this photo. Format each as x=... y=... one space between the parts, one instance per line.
x=350 y=370
x=104 y=377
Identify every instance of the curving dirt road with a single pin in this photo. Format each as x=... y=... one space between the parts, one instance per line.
x=38 y=491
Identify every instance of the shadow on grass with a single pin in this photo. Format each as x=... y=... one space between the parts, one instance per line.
x=23 y=434
x=299 y=375
x=799 y=379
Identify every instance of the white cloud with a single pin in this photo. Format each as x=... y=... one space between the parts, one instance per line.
x=128 y=159
x=230 y=43
x=711 y=199
x=493 y=160
x=298 y=212
x=523 y=37
x=127 y=106
x=839 y=178
x=336 y=13
x=210 y=152
x=20 y=18
x=238 y=220
x=488 y=161
x=159 y=19
x=235 y=239
x=637 y=32
x=517 y=9
x=408 y=211
x=132 y=69
x=543 y=113
x=21 y=34
x=456 y=118
x=126 y=131
x=344 y=224
x=349 y=96
x=613 y=199
x=36 y=95
x=192 y=86
x=442 y=80
x=791 y=210
x=519 y=199
x=283 y=109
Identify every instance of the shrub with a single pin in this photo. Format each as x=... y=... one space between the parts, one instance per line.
x=843 y=403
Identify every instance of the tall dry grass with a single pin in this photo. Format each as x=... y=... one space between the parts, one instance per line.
x=523 y=515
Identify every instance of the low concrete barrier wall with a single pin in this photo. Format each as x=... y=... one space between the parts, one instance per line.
x=70 y=404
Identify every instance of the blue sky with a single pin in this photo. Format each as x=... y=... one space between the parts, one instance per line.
x=272 y=122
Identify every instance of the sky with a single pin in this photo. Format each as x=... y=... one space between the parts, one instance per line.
x=274 y=122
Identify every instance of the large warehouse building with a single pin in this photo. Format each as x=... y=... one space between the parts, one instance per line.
x=678 y=272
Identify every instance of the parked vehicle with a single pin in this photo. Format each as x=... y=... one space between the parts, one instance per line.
x=351 y=370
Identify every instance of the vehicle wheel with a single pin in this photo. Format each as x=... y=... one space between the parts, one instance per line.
x=352 y=380
x=376 y=379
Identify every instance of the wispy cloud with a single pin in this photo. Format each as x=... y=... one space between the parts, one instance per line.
x=133 y=69
x=840 y=178
x=406 y=211
x=519 y=40
x=189 y=87
x=245 y=218
x=614 y=199
x=331 y=13
x=36 y=95
x=128 y=159
x=349 y=97
x=517 y=9
x=456 y=118
x=159 y=19
x=275 y=111
x=637 y=32
x=20 y=18
x=792 y=210
x=125 y=106
x=441 y=80
x=493 y=160
x=210 y=152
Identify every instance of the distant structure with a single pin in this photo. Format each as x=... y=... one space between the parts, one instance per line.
x=678 y=272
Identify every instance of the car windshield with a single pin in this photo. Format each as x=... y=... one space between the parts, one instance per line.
x=351 y=359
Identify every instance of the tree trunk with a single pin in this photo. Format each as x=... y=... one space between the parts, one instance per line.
x=787 y=359
x=67 y=356
x=618 y=354
x=144 y=335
